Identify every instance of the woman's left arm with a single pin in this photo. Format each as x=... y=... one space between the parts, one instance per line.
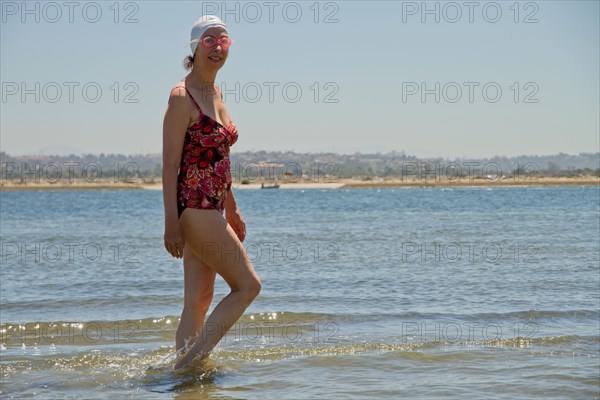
x=234 y=217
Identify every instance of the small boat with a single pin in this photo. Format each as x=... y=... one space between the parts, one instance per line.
x=269 y=186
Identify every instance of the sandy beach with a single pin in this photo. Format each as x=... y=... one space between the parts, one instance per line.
x=81 y=184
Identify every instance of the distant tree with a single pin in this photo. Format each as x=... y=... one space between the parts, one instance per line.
x=553 y=168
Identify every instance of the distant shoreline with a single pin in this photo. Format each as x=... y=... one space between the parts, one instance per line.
x=337 y=184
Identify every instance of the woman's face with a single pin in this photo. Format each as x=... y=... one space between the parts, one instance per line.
x=214 y=57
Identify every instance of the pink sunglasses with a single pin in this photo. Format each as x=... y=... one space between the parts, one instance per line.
x=210 y=42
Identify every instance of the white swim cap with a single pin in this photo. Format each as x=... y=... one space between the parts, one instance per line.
x=202 y=25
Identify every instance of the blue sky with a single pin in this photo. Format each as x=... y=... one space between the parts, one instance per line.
x=506 y=84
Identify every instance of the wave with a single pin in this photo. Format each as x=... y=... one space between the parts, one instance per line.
x=272 y=324
x=138 y=360
x=308 y=317
x=137 y=330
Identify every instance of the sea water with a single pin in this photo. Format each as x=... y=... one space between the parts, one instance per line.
x=366 y=293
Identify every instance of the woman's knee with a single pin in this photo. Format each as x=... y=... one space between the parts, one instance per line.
x=250 y=290
x=255 y=287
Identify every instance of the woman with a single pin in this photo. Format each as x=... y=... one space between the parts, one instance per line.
x=197 y=189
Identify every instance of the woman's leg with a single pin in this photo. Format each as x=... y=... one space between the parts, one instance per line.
x=209 y=236
x=198 y=290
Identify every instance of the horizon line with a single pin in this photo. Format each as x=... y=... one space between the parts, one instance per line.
x=388 y=153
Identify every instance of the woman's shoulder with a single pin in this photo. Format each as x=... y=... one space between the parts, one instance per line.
x=179 y=86
x=178 y=90
x=177 y=96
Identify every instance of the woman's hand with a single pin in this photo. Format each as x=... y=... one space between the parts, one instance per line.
x=174 y=241
x=235 y=220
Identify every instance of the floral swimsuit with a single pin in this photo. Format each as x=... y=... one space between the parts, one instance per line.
x=204 y=177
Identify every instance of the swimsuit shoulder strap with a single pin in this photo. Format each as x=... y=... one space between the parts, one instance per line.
x=194 y=100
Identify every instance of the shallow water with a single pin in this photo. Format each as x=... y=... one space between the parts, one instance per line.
x=367 y=293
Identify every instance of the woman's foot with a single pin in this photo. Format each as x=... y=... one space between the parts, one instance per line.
x=188 y=359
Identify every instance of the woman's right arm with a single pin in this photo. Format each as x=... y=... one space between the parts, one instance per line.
x=175 y=124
